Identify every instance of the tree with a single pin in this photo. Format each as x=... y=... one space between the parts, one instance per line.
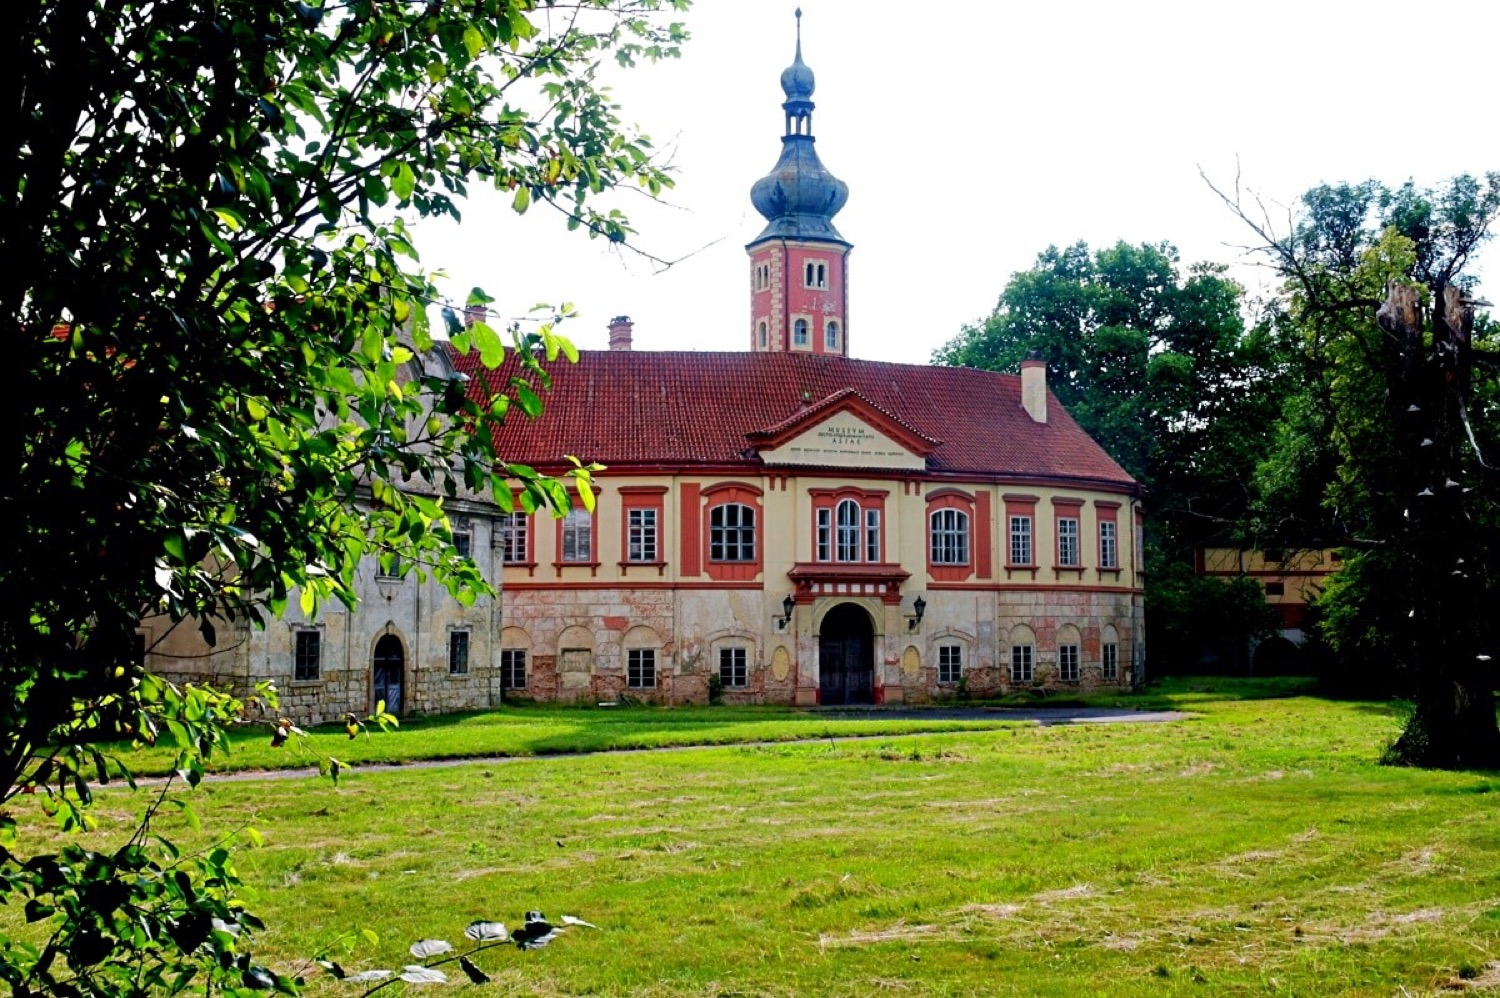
x=1381 y=436
x=1157 y=366
x=219 y=321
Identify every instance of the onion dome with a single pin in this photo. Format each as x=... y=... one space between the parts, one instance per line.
x=799 y=197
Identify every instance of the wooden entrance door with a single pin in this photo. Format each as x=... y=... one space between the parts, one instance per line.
x=846 y=657
x=388 y=672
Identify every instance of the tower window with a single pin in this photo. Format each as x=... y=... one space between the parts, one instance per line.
x=815 y=274
x=799 y=333
x=761 y=335
x=762 y=277
x=831 y=340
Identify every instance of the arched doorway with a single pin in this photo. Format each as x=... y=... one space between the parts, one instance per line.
x=846 y=657
x=388 y=673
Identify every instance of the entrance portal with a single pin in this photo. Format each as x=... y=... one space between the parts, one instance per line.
x=846 y=657
x=389 y=670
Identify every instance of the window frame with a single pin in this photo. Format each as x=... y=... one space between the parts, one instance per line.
x=950 y=663
x=581 y=523
x=301 y=655
x=956 y=551
x=459 y=637
x=801 y=335
x=1020 y=538
x=637 y=661
x=831 y=335
x=742 y=530
x=508 y=665
x=1069 y=663
x=711 y=499
x=840 y=537
x=639 y=498
x=1109 y=660
x=1109 y=545
x=1026 y=674
x=514 y=539
x=738 y=661
x=1068 y=529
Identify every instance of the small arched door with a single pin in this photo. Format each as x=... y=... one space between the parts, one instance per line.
x=388 y=673
x=846 y=657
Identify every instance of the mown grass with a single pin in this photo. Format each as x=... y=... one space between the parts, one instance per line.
x=537 y=729
x=1256 y=848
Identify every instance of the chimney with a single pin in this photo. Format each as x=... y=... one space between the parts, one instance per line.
x=619 y=332
x=475 y=313
x=1034 y=387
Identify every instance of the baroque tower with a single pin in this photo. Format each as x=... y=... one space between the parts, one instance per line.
x=799 y=290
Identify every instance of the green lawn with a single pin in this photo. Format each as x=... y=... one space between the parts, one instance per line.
x=544 y=729
x=1253 y=849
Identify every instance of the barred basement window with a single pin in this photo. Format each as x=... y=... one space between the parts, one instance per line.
x=513 y=669
x=1067 y=663
x=1022 y=663
x=950 y=537
x=1110 y=660
x=640 y=668
x=458 y=653
x=641 y=526
x=1067 y=541
x=950 y=663
x=734 y=667
x=308 y=660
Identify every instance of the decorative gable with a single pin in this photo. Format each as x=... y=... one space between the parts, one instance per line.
x=845 y=430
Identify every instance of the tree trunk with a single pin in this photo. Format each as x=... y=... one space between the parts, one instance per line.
x=1453 y=725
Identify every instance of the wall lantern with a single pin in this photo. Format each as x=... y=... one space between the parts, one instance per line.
x=919 y=605
x=787 y=605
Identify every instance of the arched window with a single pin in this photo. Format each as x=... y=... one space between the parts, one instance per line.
x=950 y=537
x=761 y=334
x=731 y=532
x=848 y=531
x=799 y=333
x=831 y=340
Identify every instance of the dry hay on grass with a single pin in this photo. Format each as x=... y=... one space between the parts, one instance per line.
x=1417 y=863
x=995 y=911
x=1486 y=979
x=900 y=932
x=1074 y=893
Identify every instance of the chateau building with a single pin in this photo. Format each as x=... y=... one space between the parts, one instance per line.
x=784 y=522
x=796 y=526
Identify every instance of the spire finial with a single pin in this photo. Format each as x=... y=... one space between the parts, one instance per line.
x=799 y=32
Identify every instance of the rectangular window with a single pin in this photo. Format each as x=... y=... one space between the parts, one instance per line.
x=642 y=541
x=1020 y=540
x=872 y=535
x=388 y=566
x=578 y=536
x=458 y=653
x=513 y=669
x=463 y=543
x=825 y=534
x=950 y=663
x=1275 y=588
x=1109 y=545
x=734 y=667
x=512 y=533
x=1067 y=663
x=640 y=668
x=1067 y=541
x=308 y=664
x=1109 y=660
x=1022 y=663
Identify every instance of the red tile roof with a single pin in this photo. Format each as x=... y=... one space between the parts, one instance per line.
x=636 y=409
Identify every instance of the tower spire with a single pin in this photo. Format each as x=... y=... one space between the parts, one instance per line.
x=799 y=261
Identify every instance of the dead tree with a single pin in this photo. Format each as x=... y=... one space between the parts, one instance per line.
x=1453 y=725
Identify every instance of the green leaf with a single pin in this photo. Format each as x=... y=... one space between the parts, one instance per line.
x=404 y=181
x=491 y=347
x=528 y=400
x=473 y=41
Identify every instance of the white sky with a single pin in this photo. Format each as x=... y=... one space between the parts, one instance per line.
x=974 y=133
